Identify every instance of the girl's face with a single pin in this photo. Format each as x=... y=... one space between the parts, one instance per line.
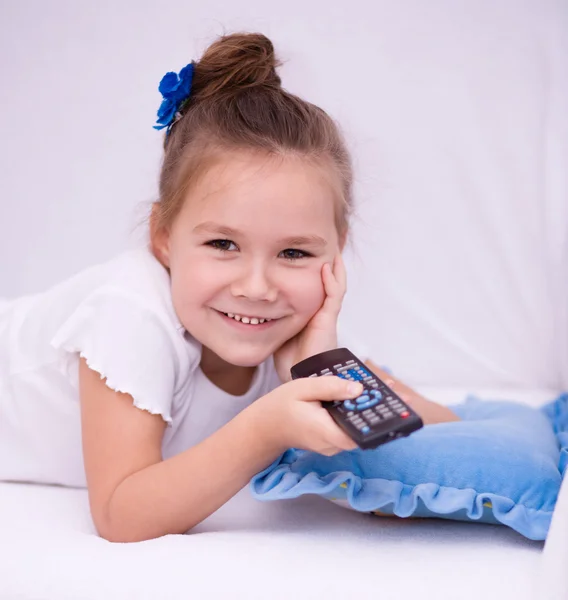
x=251 y=240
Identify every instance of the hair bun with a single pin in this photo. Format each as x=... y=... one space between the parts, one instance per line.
x=235 y=62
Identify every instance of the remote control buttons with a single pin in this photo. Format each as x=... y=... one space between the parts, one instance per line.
x=367 y=404
x=357 y=421
x=364 y=401
x=352 y=374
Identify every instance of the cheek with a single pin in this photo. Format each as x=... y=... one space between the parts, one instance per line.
x=192 y=281
x=305 y=290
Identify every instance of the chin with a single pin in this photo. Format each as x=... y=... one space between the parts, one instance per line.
x=243 y=357
x=251 y=360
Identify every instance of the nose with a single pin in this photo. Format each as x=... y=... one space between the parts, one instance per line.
x=254 y=283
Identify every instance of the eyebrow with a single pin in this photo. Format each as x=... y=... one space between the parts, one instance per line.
x=296 y=240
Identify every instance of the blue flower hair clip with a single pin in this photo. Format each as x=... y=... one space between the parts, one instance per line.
x=175 y=90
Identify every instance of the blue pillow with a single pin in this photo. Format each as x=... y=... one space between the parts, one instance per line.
x=503 y=463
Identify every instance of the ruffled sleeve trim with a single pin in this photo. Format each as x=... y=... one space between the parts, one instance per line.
x=127 y=344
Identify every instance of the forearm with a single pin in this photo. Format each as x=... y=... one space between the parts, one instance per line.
x=176 y=494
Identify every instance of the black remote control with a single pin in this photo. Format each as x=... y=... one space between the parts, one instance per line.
x=377 y=416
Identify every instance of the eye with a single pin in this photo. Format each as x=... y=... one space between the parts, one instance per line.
x=223 y=245
x=292 y=254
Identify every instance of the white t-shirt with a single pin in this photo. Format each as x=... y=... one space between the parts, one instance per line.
x=120 y=317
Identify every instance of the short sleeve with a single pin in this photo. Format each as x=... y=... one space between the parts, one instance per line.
x=128 y=344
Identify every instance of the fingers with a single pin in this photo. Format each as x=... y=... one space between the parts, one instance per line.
x=343 y=444
x=342 y=441
x=314 y=427
x=337 y=438
x=338 y=442
x=340 y=273
x=335 y=281
x=322 y=389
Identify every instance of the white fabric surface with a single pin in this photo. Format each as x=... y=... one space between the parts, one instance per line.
x=306 y=548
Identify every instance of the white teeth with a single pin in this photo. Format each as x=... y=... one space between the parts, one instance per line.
x=248 y=320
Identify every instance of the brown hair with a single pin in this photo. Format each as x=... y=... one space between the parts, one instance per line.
x=237 y=102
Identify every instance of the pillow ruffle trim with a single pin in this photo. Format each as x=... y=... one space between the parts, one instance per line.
x=277 y=482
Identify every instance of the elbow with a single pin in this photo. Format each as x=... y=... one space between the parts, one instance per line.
x=118 y=537
x=118 y=529
x=119 y=534
x=123 y=534
x=116 y=521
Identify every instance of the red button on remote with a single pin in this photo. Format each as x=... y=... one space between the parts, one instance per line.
x=405 y=414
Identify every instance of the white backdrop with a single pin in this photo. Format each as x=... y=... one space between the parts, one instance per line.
x=456 y=115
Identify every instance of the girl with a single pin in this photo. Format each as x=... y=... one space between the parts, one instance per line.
x=160 y=380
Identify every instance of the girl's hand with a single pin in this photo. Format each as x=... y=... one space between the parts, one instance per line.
x=430 y=412
x=320 y=333
x=291 y=415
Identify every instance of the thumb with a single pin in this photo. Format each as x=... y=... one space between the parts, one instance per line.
x=321 y=389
